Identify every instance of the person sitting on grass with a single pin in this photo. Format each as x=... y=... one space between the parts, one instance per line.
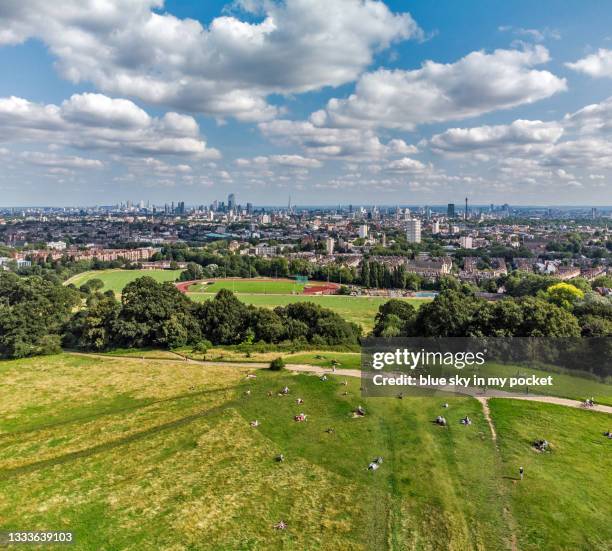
x=280 y=525
x=285 y=390
x=440 y=421
x=300 y=417
x=466 y=421
x=375 y=464
x=255 y=423
x=360 y=411
x=299 y=401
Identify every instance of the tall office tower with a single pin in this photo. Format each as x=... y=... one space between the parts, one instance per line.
x=413 y=230
x=231 y=201
x=435 y=227
x=465 y=216
x=249 y=208
x=450 y=210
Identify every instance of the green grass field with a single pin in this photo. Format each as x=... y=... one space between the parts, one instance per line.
x=361 y=310
x=564 y=500
x=116 y=280
x=251 y=286
x=145 y=455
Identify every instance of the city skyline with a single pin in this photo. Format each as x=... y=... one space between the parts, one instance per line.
x=326 y=102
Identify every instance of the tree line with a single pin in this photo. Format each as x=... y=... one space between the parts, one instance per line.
x=39 y=316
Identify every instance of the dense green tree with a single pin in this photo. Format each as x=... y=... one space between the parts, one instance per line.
x=93 y=327
x=394 y=318
x=542 y=319
x=155 y=314
x=224 y=319
x=33 y=312
x=450 y=314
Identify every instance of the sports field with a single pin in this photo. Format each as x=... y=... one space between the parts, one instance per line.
x=157 y=454
x=250 y=286
x=116 y=280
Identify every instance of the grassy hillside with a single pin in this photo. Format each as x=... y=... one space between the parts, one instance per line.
x=566 y=384
x=135 y=454
x=148 y=454
x=116 y=280
x=564 y=500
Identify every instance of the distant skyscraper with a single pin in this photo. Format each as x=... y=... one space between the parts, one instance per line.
x=435 y=227
x=465 y=216
x=450 y=211
x=363 y=231
x=413 y=230
x=329 y=245
x=231 y=201
x=249 y=208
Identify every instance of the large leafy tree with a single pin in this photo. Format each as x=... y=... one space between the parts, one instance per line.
x=395 y=318
x=33 y=312
x=224 y=319
x=451 y=314
x=155 y=314
x=93 y=327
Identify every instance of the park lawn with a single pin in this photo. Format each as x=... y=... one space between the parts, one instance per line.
x=116 y=280
x=563 y=503
x=160 y=455
x=565 y=385
x=251 y=286
x=360 y=310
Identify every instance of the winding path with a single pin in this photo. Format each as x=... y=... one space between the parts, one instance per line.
x=318 y=370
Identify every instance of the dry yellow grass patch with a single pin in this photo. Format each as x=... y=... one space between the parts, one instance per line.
x=35 y=384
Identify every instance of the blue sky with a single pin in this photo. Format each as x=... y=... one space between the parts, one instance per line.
x=329 y=101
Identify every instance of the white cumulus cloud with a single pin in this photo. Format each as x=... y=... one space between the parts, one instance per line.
x=227 y=68
x=476 y=84
x=596 y=65
x=95 y=121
